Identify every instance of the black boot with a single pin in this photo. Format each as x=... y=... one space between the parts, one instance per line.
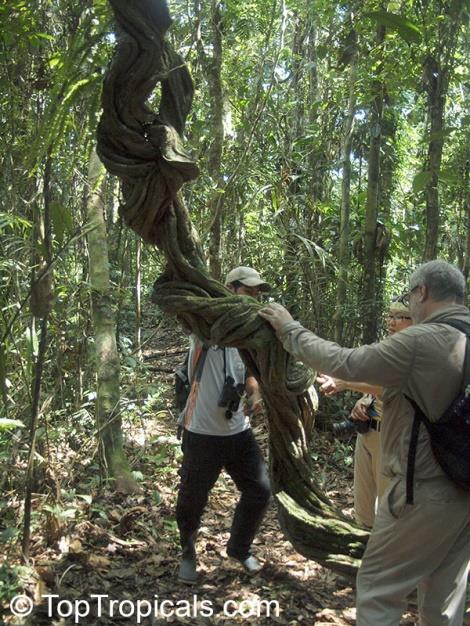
x=187 y=572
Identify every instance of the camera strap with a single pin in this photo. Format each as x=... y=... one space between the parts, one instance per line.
x=225 y=363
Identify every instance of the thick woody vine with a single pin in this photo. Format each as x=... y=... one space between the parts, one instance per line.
x=144 y=149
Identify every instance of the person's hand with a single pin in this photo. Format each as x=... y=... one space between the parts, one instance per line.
x=359 y=411
x=329 y=386
x=276 y=315
x=253 y=401
x=254 y=406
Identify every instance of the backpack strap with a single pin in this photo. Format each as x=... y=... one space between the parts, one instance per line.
x=419 y=415
x=200 y=358
x=410 y=466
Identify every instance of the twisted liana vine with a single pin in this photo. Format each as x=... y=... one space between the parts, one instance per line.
x=145 y=150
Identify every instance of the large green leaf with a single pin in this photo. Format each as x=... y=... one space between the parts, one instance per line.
x=406 y=29
x=11 y=221
x=314 y=250
x=8 y=424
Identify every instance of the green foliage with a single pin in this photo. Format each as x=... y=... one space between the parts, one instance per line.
x=420 y=181
x=406 y=29
x=12 y=581
x=286 y=77
x=8 y=424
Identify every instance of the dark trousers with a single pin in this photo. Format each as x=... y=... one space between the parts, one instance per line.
x=204 y=458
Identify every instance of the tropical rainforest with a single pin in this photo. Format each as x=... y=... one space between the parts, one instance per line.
x=325 y=144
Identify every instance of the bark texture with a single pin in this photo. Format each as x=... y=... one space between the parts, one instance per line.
x=344 y=230
x=216 y=125
x=104 y=324
x=145 y=149
x=372 y=206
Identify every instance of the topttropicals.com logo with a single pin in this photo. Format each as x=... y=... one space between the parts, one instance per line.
x=101 y=605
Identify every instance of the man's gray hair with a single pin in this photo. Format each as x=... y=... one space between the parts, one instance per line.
x=443 y=280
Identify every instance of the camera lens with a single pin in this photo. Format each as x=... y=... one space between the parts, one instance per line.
x=344 y=428
x=347 y=427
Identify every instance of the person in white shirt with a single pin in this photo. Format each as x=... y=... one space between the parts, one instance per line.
x=217 y=435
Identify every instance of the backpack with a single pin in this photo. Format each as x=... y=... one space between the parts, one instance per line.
x=450 y=434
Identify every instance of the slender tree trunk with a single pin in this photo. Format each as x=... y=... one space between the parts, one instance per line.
x=437 y=70
x=251 y=120
x=104 y=322
x=388 y=162
x=436 y=102
x=3 y=378
x=297 y=182
x=138 y=298
x=315 y=158
x=216 y=201
x=386 y=190
x=370 y=226
x=466 y=207
x=41 y=305
x=30 y=476
x=344 y=243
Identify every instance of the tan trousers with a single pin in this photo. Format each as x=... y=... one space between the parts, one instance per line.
x=369 y=483
x=424 y=545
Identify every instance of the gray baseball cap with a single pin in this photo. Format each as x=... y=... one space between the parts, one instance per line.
x=247 y=276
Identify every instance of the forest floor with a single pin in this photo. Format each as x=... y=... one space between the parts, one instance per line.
x=126 y=548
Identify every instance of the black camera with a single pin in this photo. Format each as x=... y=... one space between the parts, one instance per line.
x=347 y=427
x=230 y=396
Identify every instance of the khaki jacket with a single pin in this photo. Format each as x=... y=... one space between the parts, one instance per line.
x=424 y=362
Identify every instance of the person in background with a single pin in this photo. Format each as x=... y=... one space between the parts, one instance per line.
x=369 y=481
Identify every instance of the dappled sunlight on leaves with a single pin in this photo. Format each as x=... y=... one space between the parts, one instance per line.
x=127 y=547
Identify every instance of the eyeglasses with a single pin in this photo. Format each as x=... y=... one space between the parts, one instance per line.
x=397 y=318
x=405 y=297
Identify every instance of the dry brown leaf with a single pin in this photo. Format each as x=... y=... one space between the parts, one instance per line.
x=96 y=560
x=75 y=546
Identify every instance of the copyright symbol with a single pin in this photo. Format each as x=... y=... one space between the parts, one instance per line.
x=21 y=606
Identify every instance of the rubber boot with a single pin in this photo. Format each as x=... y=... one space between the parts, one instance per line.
x=251 y=565
x=187 y=572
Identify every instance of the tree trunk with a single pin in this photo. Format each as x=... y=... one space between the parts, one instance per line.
x=344 y=230
x=437 y=69
x=315 y=158
x=41 y=305
x=216 y=125
x=466 y=212
x=437 y=91
x=296 y=176
x=387 y=179
x=138 y=298
x=107 y=359
x=370 y=225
